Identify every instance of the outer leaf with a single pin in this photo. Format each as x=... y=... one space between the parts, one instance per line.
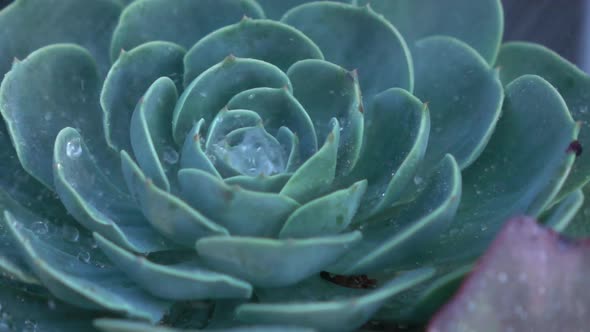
x=96 y=202
x=35 y=107
x=402 y=237
x=326 y=91
x=242 y=212
x=211 y=91
x=265 y=40
x=28 y=25
x=128 y=80
x=579 y=226
x=24 y=311
x=518 y=59
x=275 y=9
x=560 y=215
x=151 y=134
x=119 y=325
x=75 y=281
x=521 y=171
x=460 y=89
x=345 y=44
x=274 y=263
x=530 y=280
x=165 y=212
x=477 y=23
x=186 y=280
x=148 y=20
x=336 y=315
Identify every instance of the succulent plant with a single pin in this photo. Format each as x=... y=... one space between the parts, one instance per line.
x=269 y=165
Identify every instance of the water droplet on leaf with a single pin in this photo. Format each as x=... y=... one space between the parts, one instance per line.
x=74 y=148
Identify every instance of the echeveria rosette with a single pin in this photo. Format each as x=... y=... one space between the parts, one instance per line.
x=231 y=150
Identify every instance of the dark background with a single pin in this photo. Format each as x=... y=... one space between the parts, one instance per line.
x=557 y=24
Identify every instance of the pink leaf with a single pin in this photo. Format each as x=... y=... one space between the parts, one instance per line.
x=531 y=279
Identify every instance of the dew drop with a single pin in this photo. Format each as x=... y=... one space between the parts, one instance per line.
x=29 y=326
x=418 y=180
x=40 y=227
x=74 y=148
x=83 y=256
x=70 y=233
x=51 y=304
x=48 y=116
x=169 y=155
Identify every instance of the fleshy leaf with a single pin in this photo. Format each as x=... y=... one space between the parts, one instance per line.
x=187 y=280
x=211 y=91
x=95 y=201
x=477 y=23
x=274 y=263
x=326 y=91
x=72 y=275
x=395 y=137
x=129 y=78
x=120 y=325
x=402 y=237
x=327 y=215
x=35 y=107
x=26 y=26
x=316 y=175
x=460 y=88
x=265 y=40
x=531 y=279
x=183 y=22
x=521 y=170
x=336 y=315
x=278 y=108
x=387 y=65
x=579 y=226
x=151 y=134
x=517 y=59
x=165 y=212
x=275 y=9
x=263 y=183
x=242 y=212
x=24 y=311
x=192 y=155
x=559 y=216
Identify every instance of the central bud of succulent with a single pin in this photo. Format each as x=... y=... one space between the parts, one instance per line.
x=251 y=151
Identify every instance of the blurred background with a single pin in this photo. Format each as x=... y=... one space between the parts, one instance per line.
x=562 y=25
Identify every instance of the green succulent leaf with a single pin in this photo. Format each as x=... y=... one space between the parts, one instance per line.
x=521 y=171
x=77 y=278
x=95 y=201
x=186 y=280
x=128 y=80
x=28 y=25
x=256 y=39
x=26 y=311
x=242 y=212
x=329 y=214
x=120 y=325
x=519 y=58
x=274 y=263
x=211 y=91
x=316 y=175
x=460 y=89
x=395 y=137
x=167 y=213
x=275 y=9
x=183 y=22
x=402 y=237
x=579 y=226
x=337 y=315
x=326 y=91
x=35 y=107
x=479 y=24
x=262 y=183
x=328 y=24
x=561 y=214
x=151 y=135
